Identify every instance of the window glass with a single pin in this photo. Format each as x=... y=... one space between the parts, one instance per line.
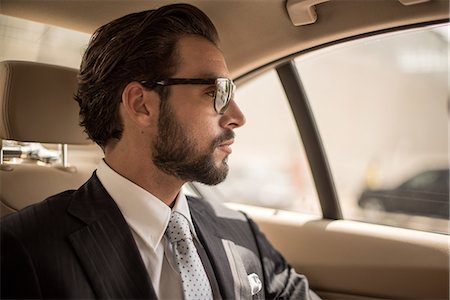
x=381 y=105
x=268 y=166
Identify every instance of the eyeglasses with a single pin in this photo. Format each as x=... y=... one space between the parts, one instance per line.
x=224 y=92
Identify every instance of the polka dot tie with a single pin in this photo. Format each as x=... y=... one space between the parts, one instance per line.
x=193 y=275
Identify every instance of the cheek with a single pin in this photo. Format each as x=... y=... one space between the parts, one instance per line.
x=200 y=124
x=203 y=133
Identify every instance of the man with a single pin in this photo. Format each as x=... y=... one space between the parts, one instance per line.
x=154 y=93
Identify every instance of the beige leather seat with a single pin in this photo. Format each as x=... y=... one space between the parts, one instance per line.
x=36 y=105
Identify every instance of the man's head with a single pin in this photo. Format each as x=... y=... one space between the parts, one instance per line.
x=138 y=46
x=145 y=58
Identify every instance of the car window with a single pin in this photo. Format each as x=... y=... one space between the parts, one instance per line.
x=268 y=166
x=381 y=107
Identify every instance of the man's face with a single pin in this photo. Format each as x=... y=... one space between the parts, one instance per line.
x=193 y=141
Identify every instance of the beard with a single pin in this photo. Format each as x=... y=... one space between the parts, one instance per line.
x=176 y=154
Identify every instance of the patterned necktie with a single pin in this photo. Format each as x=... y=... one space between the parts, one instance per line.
x=193 y=275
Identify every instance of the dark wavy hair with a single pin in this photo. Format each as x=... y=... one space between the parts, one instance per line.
x=138 y=46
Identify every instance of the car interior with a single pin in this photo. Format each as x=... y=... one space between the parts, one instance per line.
x=271 y=41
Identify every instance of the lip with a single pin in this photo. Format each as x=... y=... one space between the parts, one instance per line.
x=226 y=146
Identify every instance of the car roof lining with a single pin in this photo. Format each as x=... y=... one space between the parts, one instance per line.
x=261 y=69
x=266 y=19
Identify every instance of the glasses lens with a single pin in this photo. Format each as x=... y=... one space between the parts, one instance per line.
x=225 y=93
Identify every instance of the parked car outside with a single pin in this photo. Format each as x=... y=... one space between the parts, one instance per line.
x=426 y=193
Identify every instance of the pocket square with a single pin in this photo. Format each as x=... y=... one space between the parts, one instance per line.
x=255 y=283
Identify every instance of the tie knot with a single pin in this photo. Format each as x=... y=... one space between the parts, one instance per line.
x=178 y=228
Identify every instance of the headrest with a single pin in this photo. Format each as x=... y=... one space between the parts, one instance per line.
x=37 y=105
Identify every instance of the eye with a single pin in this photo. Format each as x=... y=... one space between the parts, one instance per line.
x=212 y=93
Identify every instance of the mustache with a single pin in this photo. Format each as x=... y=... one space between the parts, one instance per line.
x=228 y=134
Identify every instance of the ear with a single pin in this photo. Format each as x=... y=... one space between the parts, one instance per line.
x=137 y=104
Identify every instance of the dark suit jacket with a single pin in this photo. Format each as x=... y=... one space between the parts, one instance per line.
x=78 y=245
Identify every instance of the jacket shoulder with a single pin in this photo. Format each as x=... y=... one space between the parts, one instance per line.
x=38 y=215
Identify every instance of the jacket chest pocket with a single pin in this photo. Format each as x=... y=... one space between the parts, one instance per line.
x=246 y=271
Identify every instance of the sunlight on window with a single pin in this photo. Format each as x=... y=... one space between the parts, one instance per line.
x=381 y=105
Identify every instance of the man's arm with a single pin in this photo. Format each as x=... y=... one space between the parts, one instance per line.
x=281 y=280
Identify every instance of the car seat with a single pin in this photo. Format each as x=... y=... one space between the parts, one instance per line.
x=36 y=105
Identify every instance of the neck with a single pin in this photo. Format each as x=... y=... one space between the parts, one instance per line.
x=139 y=169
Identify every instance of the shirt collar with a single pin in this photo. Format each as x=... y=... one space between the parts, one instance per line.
x=147 y=215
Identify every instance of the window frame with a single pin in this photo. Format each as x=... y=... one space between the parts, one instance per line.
x=304 y=118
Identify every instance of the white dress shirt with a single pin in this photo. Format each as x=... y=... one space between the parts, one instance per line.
x=148 y=217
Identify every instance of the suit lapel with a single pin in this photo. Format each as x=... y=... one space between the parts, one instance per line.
x=211 y=240
x=105 y=246
x=230 y=245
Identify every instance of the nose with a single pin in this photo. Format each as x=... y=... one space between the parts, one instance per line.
x=233 y=117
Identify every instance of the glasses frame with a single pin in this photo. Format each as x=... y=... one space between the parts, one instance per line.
x=225 y=89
